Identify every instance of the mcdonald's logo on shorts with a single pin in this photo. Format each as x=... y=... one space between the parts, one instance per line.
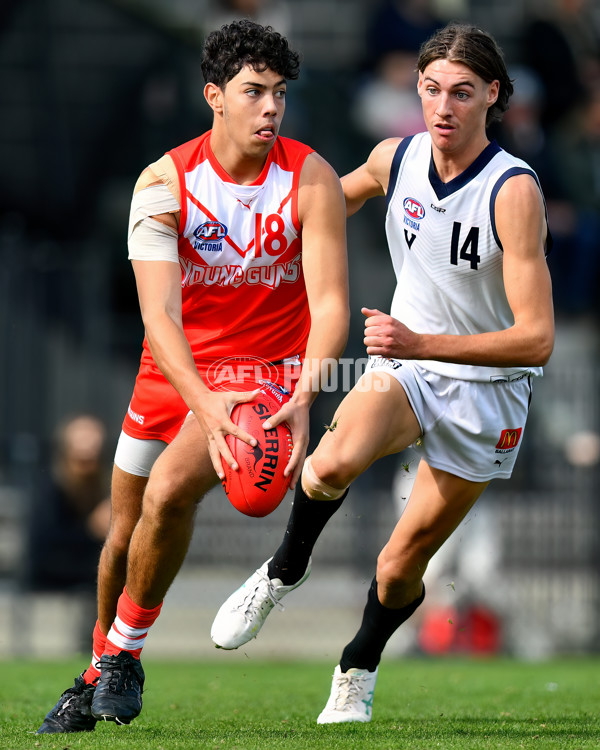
x=509 y=439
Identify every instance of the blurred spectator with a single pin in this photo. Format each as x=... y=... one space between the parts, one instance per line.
x=399 y=25
x=521 y=131
x=273 y=13
x=70 y=511
x=576 y=264
x=387 y=104
x=562 y=45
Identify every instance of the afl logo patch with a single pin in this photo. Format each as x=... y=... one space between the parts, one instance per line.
x=210 y=231
x=413 y=209
x=209 y=237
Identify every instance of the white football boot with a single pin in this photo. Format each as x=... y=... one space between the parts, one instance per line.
x=351 y=697
x=241 y=617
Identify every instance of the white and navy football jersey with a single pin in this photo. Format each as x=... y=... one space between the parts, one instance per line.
x=446 y=252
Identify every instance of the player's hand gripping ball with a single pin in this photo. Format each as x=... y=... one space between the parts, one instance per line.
x=258 y=486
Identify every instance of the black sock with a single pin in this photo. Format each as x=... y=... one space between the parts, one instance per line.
x=307 y=520
x=379 y=623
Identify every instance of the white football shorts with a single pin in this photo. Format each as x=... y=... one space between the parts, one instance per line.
x=471 y=429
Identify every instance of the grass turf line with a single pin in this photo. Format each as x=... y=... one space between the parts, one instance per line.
x=419 y=704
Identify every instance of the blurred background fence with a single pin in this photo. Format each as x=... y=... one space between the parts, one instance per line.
x=93 y=90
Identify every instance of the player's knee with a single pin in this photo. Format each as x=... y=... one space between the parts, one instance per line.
x=336 y=464
x=390 y=573
x=116 y=544
x=167 y=498
x=400 y=569
x=315 y=487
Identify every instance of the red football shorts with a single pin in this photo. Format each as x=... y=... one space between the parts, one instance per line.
x=156 y=411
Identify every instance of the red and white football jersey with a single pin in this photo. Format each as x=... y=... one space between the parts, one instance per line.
x=240 y=251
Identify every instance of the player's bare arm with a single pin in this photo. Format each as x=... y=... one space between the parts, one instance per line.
x=159 y=292
x=324 y=260
x=371 y=179
x=521 y=226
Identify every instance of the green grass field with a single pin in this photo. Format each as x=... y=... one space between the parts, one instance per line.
x=439 y=703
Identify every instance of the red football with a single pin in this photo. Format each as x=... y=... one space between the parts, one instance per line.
x=258 y=486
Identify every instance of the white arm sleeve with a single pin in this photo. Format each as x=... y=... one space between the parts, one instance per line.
x=149 y=239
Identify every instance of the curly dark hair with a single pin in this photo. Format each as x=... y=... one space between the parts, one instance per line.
x=477 y=50
x=244 y=42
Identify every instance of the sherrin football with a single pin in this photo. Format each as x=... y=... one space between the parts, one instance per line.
x=258 y=486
